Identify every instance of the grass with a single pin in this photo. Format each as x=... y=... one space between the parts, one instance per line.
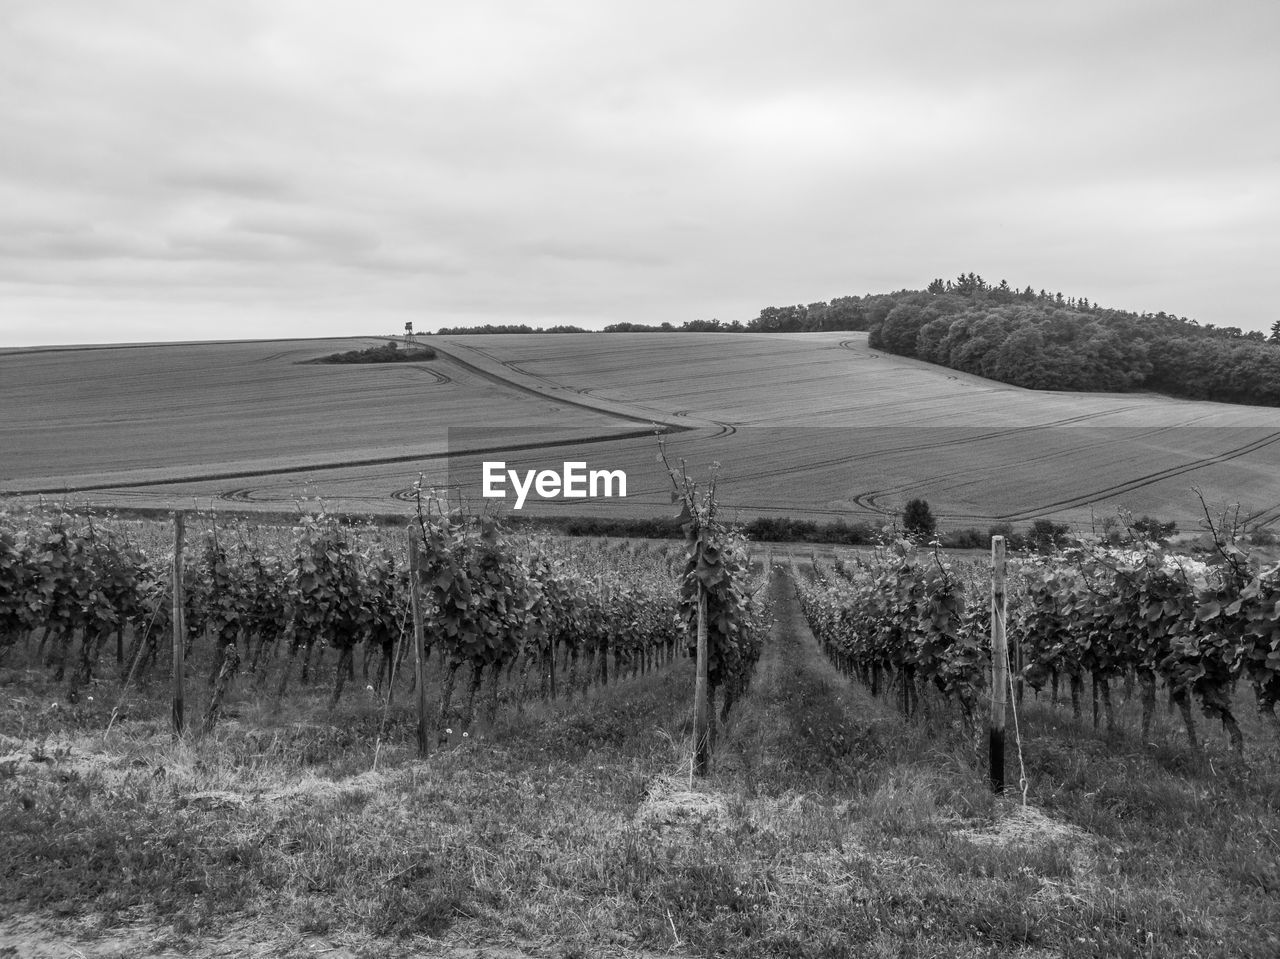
x=829 y=828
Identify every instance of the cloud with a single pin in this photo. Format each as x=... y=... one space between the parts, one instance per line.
x=599 y=162
x=231 y=181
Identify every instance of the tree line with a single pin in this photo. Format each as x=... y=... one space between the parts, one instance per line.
x=1027 y=337
x=1048 y=342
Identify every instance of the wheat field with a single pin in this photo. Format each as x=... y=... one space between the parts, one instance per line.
x=811 y=425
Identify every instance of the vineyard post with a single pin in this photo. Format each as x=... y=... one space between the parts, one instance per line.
x=419 y=667
x=701 y=724
x=999 y=664
x=604 y=638
x=179 y=623
x=551 y=667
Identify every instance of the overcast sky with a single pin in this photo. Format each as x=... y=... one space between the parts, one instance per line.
x=184 y=170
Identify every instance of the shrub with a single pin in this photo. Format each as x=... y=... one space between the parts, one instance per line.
x=918 y=520
x=391 y=353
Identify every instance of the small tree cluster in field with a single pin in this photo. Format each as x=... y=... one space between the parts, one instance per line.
x=918 y=521
x=388 y=353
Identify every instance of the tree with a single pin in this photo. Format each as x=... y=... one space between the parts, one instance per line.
x=1275 y=332
x=1045 y=535
x=918 y=520
x=1153 y=529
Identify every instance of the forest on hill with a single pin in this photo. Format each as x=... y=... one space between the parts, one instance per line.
x=1046 y=341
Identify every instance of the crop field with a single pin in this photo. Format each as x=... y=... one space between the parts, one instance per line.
x=812 y=425
x=127 y=418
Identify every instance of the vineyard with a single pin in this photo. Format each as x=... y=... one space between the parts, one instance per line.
x=908 y=620
x=514 y=617
x=553 y=812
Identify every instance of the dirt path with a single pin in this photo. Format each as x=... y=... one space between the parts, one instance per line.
x=804 y=727
x=480 y=362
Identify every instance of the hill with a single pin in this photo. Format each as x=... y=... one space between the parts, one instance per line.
x=815 y=425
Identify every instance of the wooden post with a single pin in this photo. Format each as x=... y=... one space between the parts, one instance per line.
x=604 y=641
x=1018 y=684
x=551 y=665
x=179 y=623
x=999 y=665
x=701 y=717
x=419 y=662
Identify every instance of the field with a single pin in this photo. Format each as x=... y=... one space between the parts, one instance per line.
x=129 y=418
x=812 y=425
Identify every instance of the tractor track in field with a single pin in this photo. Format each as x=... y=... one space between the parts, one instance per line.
x=408 y=494
x=951 y=480
x=733 y=376
x=440 y=378
x=868 y=501
x=605 y=371
x=658 y=417
x=1150 y=478
x=246 y=494
x=1264 y=517
x=540 y=393
x=854 y=347
x=844 y=459
x=276 y=356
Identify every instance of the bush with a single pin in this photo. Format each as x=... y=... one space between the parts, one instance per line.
x=918 y=520
x=785 y=529
x=1045 y=535
x=1154 y=529
x=1012 y=538
x=969 y=538
x=391 y=353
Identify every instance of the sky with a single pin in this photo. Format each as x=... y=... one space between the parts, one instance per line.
x=229 y=169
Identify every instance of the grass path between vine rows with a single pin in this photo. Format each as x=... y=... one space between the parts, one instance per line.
x=829 y=828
